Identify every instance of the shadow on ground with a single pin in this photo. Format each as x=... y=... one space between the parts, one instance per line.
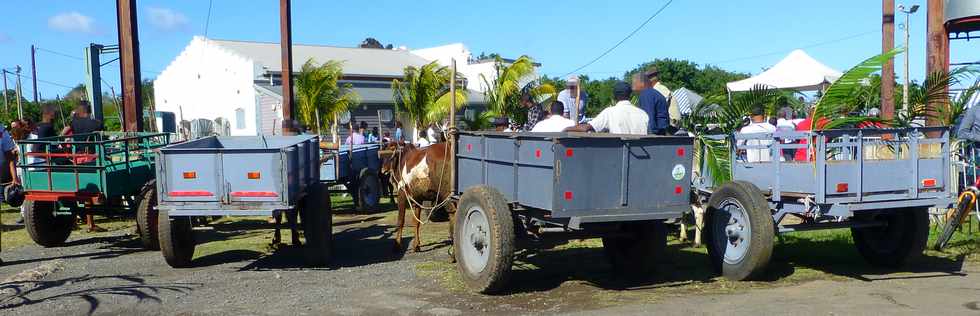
x=27 y=293
x=115 y=246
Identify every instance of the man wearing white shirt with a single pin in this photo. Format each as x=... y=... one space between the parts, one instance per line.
x=567 y=97
x=758 y=125
x=555 y=121
x=622 y=118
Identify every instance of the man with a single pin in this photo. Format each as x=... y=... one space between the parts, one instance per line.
x=372 y=136
x=758 y=124
x=82 y=122
x=653 y=75
x=534 y=113
x=555 y=122
x=969 y=128
x=501 y=124
x=399 y=137
x=654 y=104
x=8 y=165
x=356 y=137
x=567 y=97
x=622 y=118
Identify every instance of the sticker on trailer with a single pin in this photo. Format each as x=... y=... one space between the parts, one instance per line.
x=678 y=172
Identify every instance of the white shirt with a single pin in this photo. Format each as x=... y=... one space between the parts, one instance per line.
x=553 y=124
x=423 y=142
x=757 y=155
x=622 y=118
x=431 y=135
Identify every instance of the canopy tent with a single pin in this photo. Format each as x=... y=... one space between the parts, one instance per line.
x=796 y=71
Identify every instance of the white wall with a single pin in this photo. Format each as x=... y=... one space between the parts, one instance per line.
x=207 y=81
x=472 y=72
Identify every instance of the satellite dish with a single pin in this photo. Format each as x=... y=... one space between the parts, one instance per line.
x=344 y=117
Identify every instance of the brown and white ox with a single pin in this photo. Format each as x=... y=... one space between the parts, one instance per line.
x=418 y=175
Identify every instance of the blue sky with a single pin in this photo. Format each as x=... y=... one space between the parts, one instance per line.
x=562 y=35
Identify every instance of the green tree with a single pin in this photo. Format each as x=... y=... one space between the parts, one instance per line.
x=423 y=94
x=504 y=90
x=319 y=93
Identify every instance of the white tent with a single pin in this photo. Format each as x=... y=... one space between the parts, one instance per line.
x=796 y=71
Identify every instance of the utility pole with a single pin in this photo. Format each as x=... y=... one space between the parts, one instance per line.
x=286 y=46
x=20 y=108
x=5 y=106
x=937 y=51
x=34 y=74
x=888 y=69
x=129 y=65
x=905 y=90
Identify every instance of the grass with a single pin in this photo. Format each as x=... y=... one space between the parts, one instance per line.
x=14 y=236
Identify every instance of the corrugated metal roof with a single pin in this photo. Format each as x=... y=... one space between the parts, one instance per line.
x=357 y=61
x=371 y=93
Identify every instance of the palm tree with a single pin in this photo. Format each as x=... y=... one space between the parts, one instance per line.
x=321 y=97
x=423 y=94
x=503 y=91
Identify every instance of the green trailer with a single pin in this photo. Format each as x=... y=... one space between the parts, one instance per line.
x=97 y=173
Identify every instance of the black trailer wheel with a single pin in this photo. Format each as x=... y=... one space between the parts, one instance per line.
x=44 y=227
x=484 y=239
x=176 y=239
x=636 y=253
x=368 y=189
x=739 y=231
x=903 y=238
x=317 y=219
x=147 y=218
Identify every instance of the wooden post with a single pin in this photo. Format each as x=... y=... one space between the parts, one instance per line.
x=578 y=93
x=937 y=52
x=286 y=48
x=888 y=69
x=451 y=135
x=129 y=65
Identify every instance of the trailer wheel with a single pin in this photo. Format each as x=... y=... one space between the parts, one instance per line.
x=739 y=231
x=637 y=253
x=484 y=239
x=903 y=238
x=368 y=189
x=44 y=227
x=176 y=239
x=147 y=218
x=317 y=219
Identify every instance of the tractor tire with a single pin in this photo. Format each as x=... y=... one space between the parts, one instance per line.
x=739 y=231
x=317 y=219
x=636 y=253
x=176 y=239
x=147 y=218
x=484 y=240
x=368 y=190
x=894 y=245
x=44 y=227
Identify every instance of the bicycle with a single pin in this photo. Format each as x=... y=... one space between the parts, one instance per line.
x=966 y=201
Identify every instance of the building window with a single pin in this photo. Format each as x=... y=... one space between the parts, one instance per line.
x=386 y=115
x=240 y=118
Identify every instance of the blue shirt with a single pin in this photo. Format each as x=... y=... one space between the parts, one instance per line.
x=655 y=105
x=398 y=134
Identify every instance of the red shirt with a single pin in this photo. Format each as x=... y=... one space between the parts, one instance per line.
x=803 y=127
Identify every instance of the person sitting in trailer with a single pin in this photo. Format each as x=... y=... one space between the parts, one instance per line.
x=758 y=124
x=502 y=124
x=356 y=137
x=555 y=122
x=621 y=118
x=535 y=113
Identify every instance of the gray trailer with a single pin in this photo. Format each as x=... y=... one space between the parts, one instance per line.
x=533 y=186
x=880 y=183
x=356 y=167
x=241 y=176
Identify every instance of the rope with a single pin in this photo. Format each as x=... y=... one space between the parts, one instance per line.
x=411 y=200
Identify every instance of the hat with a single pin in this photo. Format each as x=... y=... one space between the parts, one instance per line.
x=621 y=88
x=572 y=80
x=14 y=195
x=651 y=72
x=500 y=121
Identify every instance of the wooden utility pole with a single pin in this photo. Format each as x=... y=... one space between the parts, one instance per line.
x=20 y=107
x=888 y=69
x=937 y=51
x=34 y=74
x=5 y=106
x=451 y=135
x=129 y=65
x=286 y=43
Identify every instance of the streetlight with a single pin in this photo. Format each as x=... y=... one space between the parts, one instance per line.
x=905 y=90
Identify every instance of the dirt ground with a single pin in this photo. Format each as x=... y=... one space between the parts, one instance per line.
x=237 y=272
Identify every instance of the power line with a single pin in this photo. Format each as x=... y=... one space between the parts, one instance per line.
x=836 y=40
x=59 y=53
x=207 y=21
x=638 y=28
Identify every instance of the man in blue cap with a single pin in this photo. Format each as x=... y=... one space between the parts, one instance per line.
x=621 y=118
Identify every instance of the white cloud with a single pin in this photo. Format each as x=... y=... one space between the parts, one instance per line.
x=166 y=19
x=72 y=22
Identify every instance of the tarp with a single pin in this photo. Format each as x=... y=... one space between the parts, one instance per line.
x=685 y=99
x=796 y=71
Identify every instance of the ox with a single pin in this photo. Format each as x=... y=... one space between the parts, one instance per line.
x=419 y=174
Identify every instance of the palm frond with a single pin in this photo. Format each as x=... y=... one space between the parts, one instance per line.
x=839 y=98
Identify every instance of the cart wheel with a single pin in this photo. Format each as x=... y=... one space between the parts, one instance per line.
x=46 y=228
x=147 y=218
x=176 y=239
x=902 y=240
x=317 y=219
x=739 y=231
x=368 y=189
x=484 y=239
x=637 y=253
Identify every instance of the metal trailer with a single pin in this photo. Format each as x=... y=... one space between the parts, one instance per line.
x=68 y=176
x=547 y=187
x=241 y=176
x=880 y=183
x=356 y=167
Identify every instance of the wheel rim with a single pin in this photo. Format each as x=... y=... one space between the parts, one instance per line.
x=734 y=231
x=475 y=241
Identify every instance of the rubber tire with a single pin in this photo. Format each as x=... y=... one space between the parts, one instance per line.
x=176 y=239
x=496 y=274
x=44 y=227
x=638 y=253
x=908 y=228
x=951 y=224
x=757 y=257
x=317 y=219
x=368 y=181
x=147 y=218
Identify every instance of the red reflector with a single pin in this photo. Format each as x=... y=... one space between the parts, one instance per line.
x=929 y=183
x=254 y=175
x=469 y=147
x=678 y=190
x=680 y=152
x=190 y=175
x=537 y=153
x=254 y=194
x=569 y=152
x=842 y=187
x=189 y=193
x=568 y=195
